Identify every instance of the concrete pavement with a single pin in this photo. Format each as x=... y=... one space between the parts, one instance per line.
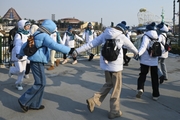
x=68 y=87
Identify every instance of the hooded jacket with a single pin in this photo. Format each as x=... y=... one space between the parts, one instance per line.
x=19 y=40
x=145 y=58
x=121 y=39
x=46 y=43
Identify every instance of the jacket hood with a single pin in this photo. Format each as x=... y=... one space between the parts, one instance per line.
x=152 y=34
x=112 y=33
x=49 y=25
x=21 y=24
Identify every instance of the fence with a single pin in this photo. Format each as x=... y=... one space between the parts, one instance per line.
x=5 y=55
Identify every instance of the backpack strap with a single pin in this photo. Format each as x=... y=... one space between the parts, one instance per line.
x=20 y=35
x=166 y=39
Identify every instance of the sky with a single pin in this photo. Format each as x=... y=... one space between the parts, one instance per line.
x=106 y=11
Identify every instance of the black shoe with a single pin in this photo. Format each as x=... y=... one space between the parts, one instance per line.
x=24 y=108
x=125 y=64
x=90 y=57
x=40 y=108
x=161 y=79
x=128 y=59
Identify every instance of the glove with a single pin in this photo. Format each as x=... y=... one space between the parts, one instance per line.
x=19 y=56
x=74 y=53
x=136 y=57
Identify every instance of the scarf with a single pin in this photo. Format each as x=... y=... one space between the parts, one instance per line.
x=23 y=31
x=70 y=34
x=89 y=30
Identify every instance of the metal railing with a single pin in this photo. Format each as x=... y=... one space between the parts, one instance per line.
x=5 y=55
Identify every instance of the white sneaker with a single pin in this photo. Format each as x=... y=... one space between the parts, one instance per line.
x=140 y=91
x=26 y=76
x=65 y=61
x=155 y=98
x=19 y=87
x=75 y=62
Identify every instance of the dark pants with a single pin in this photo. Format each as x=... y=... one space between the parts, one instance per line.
x=27 y=69
x=154 y=79
x=71 y=51
x=125 y=57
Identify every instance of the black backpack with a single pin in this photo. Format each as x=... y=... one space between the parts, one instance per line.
x=167 y=45
x=155 y=48
x=110 y=51
x=30 y=49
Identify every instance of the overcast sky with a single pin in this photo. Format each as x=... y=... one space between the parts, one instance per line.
x=89 y=10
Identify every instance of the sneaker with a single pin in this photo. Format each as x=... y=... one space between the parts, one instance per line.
x=115 y=115
x=125 y=64
x=24 y=108
x=155 y=98
x=40 y=108
x=75 y=62
x=26 y=76
x=19 y=87
x=138 y=95
x=65 y=61
x=50 y=68
x=90 y=104
x=91 y=57
x=57 y=62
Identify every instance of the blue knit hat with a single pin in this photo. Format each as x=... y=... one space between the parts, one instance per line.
x=162 y=27
x=69 y=28
x=122 y=26
x=89 y=24
x=151 y=26
x=27 y=23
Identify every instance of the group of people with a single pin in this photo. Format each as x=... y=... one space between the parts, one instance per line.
x=32 y=98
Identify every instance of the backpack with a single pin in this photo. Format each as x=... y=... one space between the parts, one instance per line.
x=167 y=45
x=30 y=49
x=110 y=51
x=11 y=46
x=155 y=48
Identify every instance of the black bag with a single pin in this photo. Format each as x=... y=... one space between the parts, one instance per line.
x=110 y=51
x=155 y=48
x=167 y=45
x=30 y=49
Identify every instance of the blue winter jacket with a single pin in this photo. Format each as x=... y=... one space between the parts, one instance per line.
x=46 y=43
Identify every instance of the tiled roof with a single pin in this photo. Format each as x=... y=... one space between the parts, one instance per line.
x=12 y=14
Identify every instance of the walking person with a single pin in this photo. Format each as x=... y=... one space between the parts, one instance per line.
x=69 y=40
x=125 y=57
x=32 y=98
x=88 y=35
x=162 y=70
x=56 y=37
x=19 y=65
x=148 y=63
x=113 y=69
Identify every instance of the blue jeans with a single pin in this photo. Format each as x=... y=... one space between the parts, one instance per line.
x=162 y=68
x=32 y=98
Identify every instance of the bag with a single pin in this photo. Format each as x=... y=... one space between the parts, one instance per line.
x=30 y=49
x=155 y=48
x=11 y=46
x=110 y=51
x=167 y=45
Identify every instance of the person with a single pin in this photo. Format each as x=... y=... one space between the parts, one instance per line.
x=56 y=37
x=125 y=57
x=19 y=65
x=69 y=40
x=138 y=41
x=162 y=70
x=33 y=29
x=148 y=63
x=32 y=98
x=88 y=35
x=113 y=70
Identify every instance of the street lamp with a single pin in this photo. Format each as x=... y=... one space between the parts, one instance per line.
x=179 y=24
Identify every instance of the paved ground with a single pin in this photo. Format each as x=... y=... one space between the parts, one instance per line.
x=68 y=87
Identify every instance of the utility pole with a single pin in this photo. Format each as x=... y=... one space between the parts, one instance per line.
x=174 y=17
x=179 y=24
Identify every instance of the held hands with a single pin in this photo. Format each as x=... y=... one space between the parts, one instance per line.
x=74 y=54
x=136 y=57
x=19 y=56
